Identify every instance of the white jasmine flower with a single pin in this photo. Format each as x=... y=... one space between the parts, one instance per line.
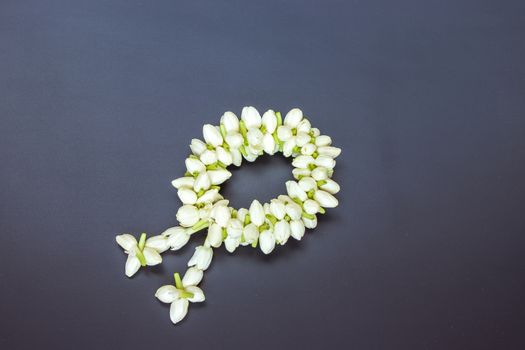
x=277 y=209
x=181 y=182
x=311 y=207
x=281 y=231
x=241 y=214
x=269 y=145
x=323 y=140
x=236 y=156
x=212 y=135
x=297 y=229
x=304 y=126
x=187 y=215
x=214 y=237
x=269 y=120
x=202 y=182
x=221 y=214
x=310 y=223
x=315 y=132
x=293 y=210
x=267 y=241
x=217 y=177
x=303 y=161
x=325 y=199
x=330 y=186
x=230 y=122
x=293 y=118
x=302 y=139
x=251 y=233
x=325 y=162
x=319 y=174
x=298 y=172
x=181 y=294
x=197 y=147
x=172 y=230
x=231 y=243
x=194 y=166
x=138 y=253
x=251 y=117
x=209 y=196
x=254 y=137
x=234 y=140
x=295 y=191
x=234 y=228
x=201 y=258
x=284 y=133
x=307 y=184
x=308 y=149
x=257 y=213
x=208 y=157
x=224 y=156
x=178 y=237
x=329 y=151
x=187 y=196
x=288 y=147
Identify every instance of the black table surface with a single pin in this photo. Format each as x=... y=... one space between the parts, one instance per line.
x=100 y=99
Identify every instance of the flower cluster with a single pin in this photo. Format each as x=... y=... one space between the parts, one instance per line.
x=261 y=225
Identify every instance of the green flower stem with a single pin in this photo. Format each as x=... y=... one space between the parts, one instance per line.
x=247 y=219
x=142 y=241
x=321 y=210
x=279 y=118
x=198 y=226
x=254 y=244
x=178 y=281
x=321 y=183
x=243 y=129
x=141 y=257
x=186 y=295
x=308 y=216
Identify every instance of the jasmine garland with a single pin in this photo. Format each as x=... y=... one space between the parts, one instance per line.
x=261 y=225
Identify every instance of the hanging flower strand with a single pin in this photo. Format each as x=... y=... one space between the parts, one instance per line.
x=261 y=225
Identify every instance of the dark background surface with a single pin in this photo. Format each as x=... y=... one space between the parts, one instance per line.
x=99 y=100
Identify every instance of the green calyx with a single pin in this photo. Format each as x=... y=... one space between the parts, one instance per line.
x=247 y=219
x=298 y=201
x=243 y=151
x=272 y=218
x=321 y=183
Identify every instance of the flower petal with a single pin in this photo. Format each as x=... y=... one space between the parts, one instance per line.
x=266 y=241
x=152 y=256
x=257 y=213
x=126 y=241
x=192 y=277
x=178 y=310
x=132 y=265
x=198 y=294
x=167 y=294
x=159 y=243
